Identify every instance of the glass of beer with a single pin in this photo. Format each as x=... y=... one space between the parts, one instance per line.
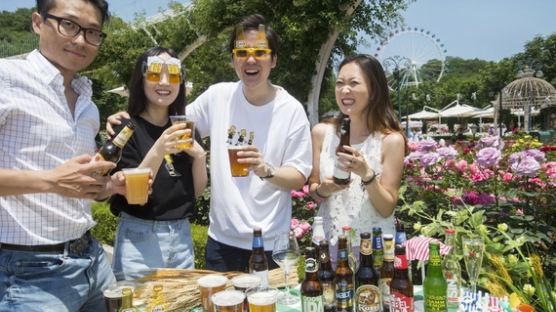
x=137 y=185
x=228 y=301
x=189 y=124
x=238 y=170
x=262 y=299
x=113 y=298
x=209 y=285
x=243 y=282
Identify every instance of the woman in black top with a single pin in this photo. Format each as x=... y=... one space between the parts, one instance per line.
x=158 y=234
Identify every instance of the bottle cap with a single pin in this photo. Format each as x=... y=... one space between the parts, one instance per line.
x=450 y=231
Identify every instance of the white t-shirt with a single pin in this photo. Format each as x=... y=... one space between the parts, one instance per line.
x=282 y=134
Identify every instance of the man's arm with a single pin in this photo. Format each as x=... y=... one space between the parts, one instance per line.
x=73 y=178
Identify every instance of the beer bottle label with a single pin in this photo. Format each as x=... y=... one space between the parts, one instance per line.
x=388 y=249
x=328 y=293
x=435 y=303
x=121 y=139
x=344 y=295
x=400 y=262
x=311 y=304
x=400 y=302
x=368 y=299
x=339 y=173
x=263 y=275
x=384 y=285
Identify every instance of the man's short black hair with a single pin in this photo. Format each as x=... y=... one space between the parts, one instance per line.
x=43 y=6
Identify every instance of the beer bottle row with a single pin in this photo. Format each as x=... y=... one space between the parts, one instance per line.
x=369 y=288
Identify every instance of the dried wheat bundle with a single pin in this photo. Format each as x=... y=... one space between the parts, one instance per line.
x=180 y=288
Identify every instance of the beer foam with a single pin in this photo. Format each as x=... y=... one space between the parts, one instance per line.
x=127 y=171
x=228 y=298
x=262 y=298
x=212 y=280
x=246 y=281
x=113 y=292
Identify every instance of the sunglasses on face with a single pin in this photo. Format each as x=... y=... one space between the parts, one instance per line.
x=257 y=53
x=153 y=71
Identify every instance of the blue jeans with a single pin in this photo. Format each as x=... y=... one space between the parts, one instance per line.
x=145 y=244
x=54 y=282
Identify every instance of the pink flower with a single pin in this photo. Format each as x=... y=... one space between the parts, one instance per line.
x=519 y=212
x=305 y=226
x=507 y=177
x=298 y=232
x=461 y=165
x=488 y=157
x=305 y=189
x=297 y=194
x=537 y=181
x=311 y=205
x=294 y=223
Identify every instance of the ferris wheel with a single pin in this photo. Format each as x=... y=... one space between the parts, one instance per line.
x=411 y=56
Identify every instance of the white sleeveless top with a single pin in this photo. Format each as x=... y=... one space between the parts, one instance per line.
x=351 y=206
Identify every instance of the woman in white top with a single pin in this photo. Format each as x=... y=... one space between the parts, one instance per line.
x=375 y=158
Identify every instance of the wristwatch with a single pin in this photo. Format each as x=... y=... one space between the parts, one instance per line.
x=271 y=172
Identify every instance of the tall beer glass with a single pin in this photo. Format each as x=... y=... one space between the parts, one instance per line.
x=137 y=185
x=189 y=124
x=209 y=285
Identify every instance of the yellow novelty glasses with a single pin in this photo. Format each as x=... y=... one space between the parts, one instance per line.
x=153 y=72
x=257 y=53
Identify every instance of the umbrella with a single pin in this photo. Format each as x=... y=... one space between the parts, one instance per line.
x=484 y=113
x=417 y=248
x=121 y=91
x=458 y=110
x=424 y=115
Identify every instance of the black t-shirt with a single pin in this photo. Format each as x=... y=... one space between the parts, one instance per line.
x=172 y=197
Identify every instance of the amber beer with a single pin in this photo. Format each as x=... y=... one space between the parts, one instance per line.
x=209 y=285
x=262 y=299
x=189 y=124
x=326 y=277
x=228 y=301
x=137 y=185
x=238 y=170
x=344 y=278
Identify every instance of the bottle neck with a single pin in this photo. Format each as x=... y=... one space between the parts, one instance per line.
x=434 y=266
x=258 y=243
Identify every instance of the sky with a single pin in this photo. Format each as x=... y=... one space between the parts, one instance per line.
x=484 y=29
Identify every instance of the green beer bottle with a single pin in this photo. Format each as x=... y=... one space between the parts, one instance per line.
x=434 y=286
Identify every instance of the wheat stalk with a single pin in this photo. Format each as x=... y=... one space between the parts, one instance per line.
x=180 y=289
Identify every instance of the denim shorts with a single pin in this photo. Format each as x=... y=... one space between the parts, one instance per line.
x=142 y=245
x=31 y=281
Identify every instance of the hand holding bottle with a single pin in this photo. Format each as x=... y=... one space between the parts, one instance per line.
x=354 y=161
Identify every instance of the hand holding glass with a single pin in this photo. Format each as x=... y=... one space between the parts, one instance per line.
x=137 y=185
x=286 y=254
x=473 y=250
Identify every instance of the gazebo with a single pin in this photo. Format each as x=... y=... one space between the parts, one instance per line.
x=528 y=92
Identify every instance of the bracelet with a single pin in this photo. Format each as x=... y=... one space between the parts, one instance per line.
x=319 y=194
x=365 y=183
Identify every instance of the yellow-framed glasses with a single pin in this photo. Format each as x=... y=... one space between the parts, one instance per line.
x=153 y=71
x=257 y=53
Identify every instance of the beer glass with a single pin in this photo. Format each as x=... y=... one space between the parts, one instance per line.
x=285 y=254
x=228 y=301
x=473 y=249
x=238 y=170
x=262 y=299
x=243 y=282
x=137 y=185
x=209 y=285
x=189 y=124
x=113 y=298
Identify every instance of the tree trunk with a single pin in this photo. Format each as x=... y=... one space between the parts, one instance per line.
x=190 y=48
x=320 y=65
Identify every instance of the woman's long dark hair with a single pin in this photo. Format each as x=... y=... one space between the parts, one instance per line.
x=380 y=113
x=137 y=98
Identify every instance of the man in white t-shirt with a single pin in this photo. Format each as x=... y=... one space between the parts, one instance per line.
x=279 y=157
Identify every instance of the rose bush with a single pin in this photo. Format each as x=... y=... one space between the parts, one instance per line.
x=503 y=191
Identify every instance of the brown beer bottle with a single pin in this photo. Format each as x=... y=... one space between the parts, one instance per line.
x=326 y=277
x=258 y=263
x=311 y=290
x=341 y=176
x=344 y=278
x=386 y=271
x=112 y=149
x=367 y=296
x=401 y=288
